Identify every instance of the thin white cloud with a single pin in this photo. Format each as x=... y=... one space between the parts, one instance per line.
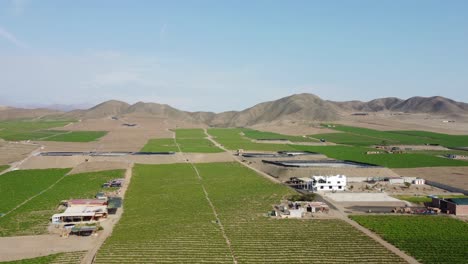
x=5 y=34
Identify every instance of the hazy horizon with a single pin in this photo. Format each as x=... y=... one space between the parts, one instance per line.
x=220 y=56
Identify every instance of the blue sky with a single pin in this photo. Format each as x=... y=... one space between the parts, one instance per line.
x=228 y=55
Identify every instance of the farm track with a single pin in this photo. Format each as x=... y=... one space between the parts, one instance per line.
x=110 y=223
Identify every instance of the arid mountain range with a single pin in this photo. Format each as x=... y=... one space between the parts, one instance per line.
x=300 y=107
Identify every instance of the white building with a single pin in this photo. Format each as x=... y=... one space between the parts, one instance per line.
x=80 y=214
x=325 y=183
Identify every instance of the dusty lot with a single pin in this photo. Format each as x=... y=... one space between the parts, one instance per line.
x=452 y=176
x=360 y=197
x=295 y=128
x=14 y=248
x=11 y=151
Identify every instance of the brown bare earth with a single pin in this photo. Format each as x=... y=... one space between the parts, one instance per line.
x=22 y=247
x=452 y=176
x=13 y=151
x=291 y=127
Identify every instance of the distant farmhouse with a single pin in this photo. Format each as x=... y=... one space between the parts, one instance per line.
x=323 y=183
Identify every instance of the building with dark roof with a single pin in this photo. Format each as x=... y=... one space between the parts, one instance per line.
x=456 y=206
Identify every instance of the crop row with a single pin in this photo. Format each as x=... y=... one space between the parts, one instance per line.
x=431 y=239
x=167 y=219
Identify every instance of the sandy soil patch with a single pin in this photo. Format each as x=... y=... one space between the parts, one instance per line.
x=12 y=151
x=209 y=157
x=46 y=162
x=452 y=176
x=14 y=248
x=295 y=128
x=360 y=197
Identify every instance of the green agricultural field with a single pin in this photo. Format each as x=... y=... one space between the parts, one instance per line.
x=430 y=239
x=200 y=145
x=352 y=139
x=194 y=140
x=232 y=139
x=40 y=130
x=365 y=136
x=61 y=258
x=442 y=139
x=189 y=140
x=18 y=186
x=407 y=160
x=255 y=134
x=29 y=129
x=77 y=136
x=33 y=217
x=160 y=145
x=4 y=167
x=190 y=133
x=168 y=219
x=424 y=199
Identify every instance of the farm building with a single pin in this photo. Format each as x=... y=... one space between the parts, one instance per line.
x=322 y=183
x=299 y=209
x=396 y=180
x=456 y=206
x=86 y=202
x=81 y=213
x=419 y=181
x=457 y=157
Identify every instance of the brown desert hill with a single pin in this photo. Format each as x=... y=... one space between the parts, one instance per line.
x=10 y=113
x=295 y=107
x=105 y=109
x=120 y=109
x=417 y=104
x=157 y=110
x=432 y=105
x=213 y=119
x=298 y=107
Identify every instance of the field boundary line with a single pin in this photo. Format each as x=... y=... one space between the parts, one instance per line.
x=34 y=196
x=213 y=208
x=51 y=136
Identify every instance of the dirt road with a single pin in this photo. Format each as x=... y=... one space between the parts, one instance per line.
x=110 y=223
